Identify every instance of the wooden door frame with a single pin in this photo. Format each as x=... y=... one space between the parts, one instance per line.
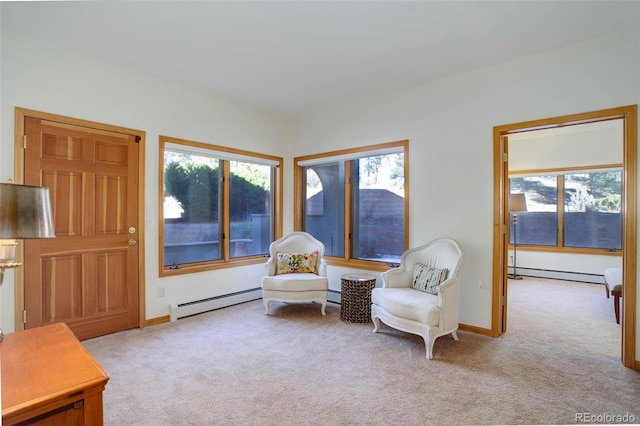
x=629 y=211
x=19 y=131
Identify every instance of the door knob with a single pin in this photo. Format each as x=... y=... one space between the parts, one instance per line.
x=132 y=242
x=132 y=229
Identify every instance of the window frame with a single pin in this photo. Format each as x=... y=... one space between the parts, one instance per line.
x=560 y=173
x=299 y=181
x=229 y=154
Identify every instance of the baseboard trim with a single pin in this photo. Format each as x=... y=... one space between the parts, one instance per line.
x=477 y=330
x=155 y=321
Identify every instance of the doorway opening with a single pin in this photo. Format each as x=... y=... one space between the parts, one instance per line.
x=628 y=117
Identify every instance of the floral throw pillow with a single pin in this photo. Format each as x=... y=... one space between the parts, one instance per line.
x=290 y=263
x=427 y=278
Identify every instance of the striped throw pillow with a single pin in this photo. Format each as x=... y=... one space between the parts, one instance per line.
x=427 y=278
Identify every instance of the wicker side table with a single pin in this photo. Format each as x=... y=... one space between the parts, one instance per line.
x=355 y=304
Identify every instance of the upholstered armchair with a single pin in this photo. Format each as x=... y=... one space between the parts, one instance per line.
x=296 y=271
x=422 y=295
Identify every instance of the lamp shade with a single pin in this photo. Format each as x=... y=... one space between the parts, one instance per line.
x=25 y=212
x=517 y=203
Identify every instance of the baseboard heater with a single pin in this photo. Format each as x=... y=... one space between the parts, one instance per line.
x=559 y=275
x=181 y=310
x=334 y=296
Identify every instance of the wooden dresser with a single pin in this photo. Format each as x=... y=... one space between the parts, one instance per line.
x=48 y=377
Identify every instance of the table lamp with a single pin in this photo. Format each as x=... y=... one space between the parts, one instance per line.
x=25 y=212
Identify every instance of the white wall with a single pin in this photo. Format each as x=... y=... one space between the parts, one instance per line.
x=49 y=79
x=449 y=125
x=591 y=144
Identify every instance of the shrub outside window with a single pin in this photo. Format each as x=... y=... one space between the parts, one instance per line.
x=217 y=207
x=355 y=202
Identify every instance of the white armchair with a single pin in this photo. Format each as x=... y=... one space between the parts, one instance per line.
x=429 y=312
x=296 y=271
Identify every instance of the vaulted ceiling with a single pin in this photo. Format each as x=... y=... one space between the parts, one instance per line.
x=291 y=57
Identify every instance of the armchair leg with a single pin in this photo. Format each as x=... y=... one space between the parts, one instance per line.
x=324 y=305
x=376 y=324
x=428 y=342
x=266 y=307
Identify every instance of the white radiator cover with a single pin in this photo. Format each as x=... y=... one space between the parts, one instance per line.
x=181 y=310
x=558 y=275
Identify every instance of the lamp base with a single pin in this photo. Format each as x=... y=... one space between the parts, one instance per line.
x=514 y=277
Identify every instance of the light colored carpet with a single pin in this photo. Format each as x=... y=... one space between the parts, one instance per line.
x=236 y=366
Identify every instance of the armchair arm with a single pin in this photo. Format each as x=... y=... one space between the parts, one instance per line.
x=396 y=278
x=445 y=287
x=322 y=268
x=270 y=267
x=449 y=303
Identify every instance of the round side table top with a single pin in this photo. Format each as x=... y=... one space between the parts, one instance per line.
x=358 y=277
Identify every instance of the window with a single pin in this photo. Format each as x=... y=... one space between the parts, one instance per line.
x=539 y=224
x=355 y=202
x=592 y=210
x=218 y=206
x=575 y=210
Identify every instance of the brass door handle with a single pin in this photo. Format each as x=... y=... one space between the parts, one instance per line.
x=132 y=242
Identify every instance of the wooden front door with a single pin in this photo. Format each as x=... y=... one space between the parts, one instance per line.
x=86 y=277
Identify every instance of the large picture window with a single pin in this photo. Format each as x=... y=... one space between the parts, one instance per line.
x=218 y=205
x=574 y=210
x=355 y=202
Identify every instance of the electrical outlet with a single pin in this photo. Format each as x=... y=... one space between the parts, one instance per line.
x=162 y=291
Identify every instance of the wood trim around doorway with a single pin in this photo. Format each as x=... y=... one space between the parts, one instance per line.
x=19 y=131
x=501 y=188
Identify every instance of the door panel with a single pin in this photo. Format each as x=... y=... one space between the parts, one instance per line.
x=87 y=276
x=62 y=288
